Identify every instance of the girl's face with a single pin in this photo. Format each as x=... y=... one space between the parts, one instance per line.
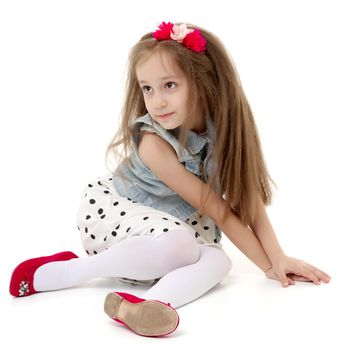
x=165 y=90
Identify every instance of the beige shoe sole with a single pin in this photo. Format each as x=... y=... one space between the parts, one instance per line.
x=148 y=318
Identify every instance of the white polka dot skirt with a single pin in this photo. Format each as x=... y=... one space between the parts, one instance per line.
x=105 y=218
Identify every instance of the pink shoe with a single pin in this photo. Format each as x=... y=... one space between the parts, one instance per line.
x=150 y=318
x=22 y=277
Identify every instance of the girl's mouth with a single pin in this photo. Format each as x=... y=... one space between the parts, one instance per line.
x=164 y=116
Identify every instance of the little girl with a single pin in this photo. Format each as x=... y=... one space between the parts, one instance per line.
x=192 y=168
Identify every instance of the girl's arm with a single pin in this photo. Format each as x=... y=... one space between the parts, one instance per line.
x=284 y=268
x=162 y=160
x=265 y=233
x=245 y=240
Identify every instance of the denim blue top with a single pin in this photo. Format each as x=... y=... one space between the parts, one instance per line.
x=143 y=186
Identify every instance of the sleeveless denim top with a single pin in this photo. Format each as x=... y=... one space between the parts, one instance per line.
x=142 y=185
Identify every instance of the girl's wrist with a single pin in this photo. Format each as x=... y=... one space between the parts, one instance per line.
x=277 y=257
x=269 y=268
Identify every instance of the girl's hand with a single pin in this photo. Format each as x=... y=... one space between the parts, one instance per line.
x=287 y=270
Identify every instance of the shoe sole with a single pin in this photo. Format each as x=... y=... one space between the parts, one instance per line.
x=147 y=318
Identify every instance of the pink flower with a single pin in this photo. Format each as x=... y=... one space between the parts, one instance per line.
x=179 y=32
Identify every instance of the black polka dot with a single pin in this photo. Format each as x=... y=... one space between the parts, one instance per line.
x=99 y=182
x=128 y=229
x=100 y=211
x=206 y=227
x=197 y=234
x=87 y=252
x=95 y=252
x=194 y=223
x=146 y=217
x=165 y=229
x=215 y=240
x=87 y=217
x=115 y=203
x=129 y=199
x=106 y=192
x=78 y=228
x=110 y=179
x=152 y=229
x=103 y=216
x=90 y=185
x=85 y=194
x=122 y=213
x=117 y=227
x=165 y=218
x=86 y=230
x=114 y=233
x=92 y=201
x=177 y=223
x=105 y=238
x=92 y=236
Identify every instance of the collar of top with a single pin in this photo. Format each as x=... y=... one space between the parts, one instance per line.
x=195 y=142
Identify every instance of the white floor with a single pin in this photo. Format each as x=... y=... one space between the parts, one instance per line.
x=245 y=311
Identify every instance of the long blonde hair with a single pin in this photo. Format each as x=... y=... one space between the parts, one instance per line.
x=240 y=172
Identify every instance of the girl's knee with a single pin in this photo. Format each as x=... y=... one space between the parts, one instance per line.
x=226 y=261
x=180 y=243
x=219 y=259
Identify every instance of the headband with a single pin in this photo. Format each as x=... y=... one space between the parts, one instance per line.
x=190 y=38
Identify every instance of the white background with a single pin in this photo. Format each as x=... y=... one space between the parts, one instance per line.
x=62 y=66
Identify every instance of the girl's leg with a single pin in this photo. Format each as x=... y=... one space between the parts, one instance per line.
x=189 y=282
x=138 y=257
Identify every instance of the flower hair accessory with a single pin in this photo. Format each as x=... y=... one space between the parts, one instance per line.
x=190 y=38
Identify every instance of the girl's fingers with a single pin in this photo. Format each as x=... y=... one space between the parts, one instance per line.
x=290 y=280
x=283 y=279
x=309 y=275
x=305 y=270
x=298 y=278
x=303 y=273
x=312 y=277
x=321 y=274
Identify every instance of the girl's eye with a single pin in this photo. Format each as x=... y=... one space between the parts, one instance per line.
x=170 y=83
x=145 y=88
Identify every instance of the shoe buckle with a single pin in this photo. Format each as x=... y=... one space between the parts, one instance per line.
x=23 y=288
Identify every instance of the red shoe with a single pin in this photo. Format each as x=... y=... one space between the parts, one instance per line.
x=22 y=277
x=150 y=318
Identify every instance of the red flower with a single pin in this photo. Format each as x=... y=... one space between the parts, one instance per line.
x=195 y=41
x=163 y=33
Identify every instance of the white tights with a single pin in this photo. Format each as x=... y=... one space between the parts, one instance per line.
x=188 y=269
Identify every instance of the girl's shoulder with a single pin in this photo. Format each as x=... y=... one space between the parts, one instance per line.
x=195 y=143
x=145 y=132
x=146 y=123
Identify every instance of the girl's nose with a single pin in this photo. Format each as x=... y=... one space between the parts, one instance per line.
x=161 y=103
